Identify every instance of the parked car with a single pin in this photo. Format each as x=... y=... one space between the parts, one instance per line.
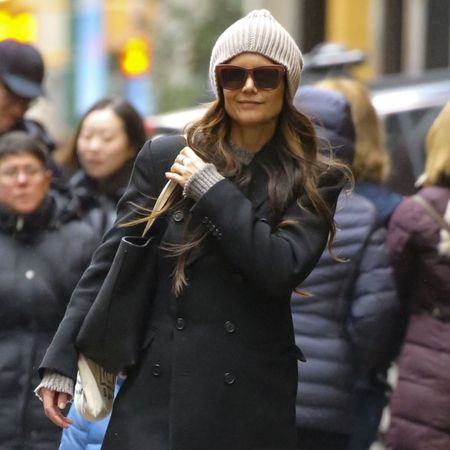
x=407 y=106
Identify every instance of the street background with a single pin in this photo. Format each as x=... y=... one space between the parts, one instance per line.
x=156 y=53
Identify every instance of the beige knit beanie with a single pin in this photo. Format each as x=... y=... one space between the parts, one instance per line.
x=258 y=32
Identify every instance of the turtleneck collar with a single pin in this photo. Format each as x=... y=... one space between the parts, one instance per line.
x=243 y=155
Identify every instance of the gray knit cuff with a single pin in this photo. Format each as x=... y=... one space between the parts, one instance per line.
x=200 y=181
x=55 y=382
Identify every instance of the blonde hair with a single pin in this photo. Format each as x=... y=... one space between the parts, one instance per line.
x=437 y=165
x=371 y=161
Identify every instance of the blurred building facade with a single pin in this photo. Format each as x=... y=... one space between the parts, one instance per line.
x=98 y=47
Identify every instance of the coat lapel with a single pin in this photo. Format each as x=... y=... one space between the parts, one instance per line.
x=257 y=194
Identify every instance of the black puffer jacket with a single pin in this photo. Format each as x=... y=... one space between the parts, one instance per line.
x=42 y=258
x=346 y=327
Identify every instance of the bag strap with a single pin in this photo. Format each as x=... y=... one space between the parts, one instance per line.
x=431 y=211
x=172 y=146
x=160 y=202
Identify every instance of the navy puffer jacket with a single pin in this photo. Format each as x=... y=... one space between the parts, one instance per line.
x=345 y=327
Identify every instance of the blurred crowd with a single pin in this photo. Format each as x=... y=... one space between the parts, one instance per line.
x=381 y=300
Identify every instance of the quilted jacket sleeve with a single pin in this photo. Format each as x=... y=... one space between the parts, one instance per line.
x=375 y=307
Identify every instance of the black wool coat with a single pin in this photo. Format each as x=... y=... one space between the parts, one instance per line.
x=219 y=363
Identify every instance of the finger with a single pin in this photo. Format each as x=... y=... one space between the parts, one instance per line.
x=62 y=400
x=179 y=168
x=176 y=177
x=49 y=399
x=187 y=151
x=180 y=159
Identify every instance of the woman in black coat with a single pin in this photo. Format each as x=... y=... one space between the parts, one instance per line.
x=218 y=368
x=107 y=139
x=44 y=248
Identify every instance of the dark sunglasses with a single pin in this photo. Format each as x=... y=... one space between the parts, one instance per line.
x=264 y=77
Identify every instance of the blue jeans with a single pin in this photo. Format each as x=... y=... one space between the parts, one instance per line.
x=370 y=396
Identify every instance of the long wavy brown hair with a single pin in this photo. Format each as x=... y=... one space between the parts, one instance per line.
x=294 y=170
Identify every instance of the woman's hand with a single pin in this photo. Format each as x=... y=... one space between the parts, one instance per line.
x=54 y=402
x=186 y=164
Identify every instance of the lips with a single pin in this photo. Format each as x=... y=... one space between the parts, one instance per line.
x=94 y=162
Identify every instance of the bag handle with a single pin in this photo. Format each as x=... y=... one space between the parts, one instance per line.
x=160 y=202
x=431 y=211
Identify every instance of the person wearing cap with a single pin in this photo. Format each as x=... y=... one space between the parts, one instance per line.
x=250 y=218
x=22 y=74
x=44 y=248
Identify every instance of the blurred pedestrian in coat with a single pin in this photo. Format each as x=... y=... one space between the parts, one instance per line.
x=370 y=168
x=249 y=220
x=106 y=142
x=420 y=248
x=345 y=326
x=44 y=249
x=22 y=72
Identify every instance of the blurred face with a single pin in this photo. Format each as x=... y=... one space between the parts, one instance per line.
x=102 y=144
x=12 y=108
x=24 y=183
x=252 y=106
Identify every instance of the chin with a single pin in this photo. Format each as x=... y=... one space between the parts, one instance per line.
x=26 y=209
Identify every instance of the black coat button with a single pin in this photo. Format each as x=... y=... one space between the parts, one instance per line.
x=229 y=378
x=230 y=327
x=156 y=370
x=181 y=323
x=178 y=216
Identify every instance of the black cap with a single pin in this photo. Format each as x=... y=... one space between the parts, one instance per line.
x=21 y=68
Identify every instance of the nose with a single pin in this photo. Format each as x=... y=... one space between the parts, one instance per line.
x=249 y=85
x=94 y=144
x=22 y=177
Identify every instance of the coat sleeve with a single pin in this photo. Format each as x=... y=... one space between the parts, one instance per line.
x=402 y=246
x=274 y=261
x=375 y=308
x=144 y=187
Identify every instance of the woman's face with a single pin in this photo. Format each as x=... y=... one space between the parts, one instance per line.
x=250 y=107
x=102 y=145
x=24 y=182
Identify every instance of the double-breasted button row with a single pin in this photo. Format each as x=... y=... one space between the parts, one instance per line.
x=211 y=227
